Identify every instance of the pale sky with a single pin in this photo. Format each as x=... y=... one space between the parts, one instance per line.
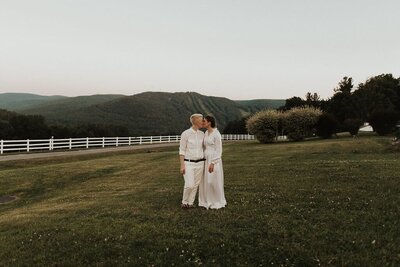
x=240 y=49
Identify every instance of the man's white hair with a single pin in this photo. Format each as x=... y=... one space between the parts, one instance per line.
x=194 y=116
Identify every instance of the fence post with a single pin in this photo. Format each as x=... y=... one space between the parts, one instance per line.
x=140 y=140
x=160 y=139
x=151 y=139
x=1 y=146
x=50 y=143
x=169 y=139
x=130 y=138
x=102 y=142
x=70 y=143
x=116 y=141
x=87 y=142
x=27 y=145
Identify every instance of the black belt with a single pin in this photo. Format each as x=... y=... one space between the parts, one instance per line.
x=194 y=160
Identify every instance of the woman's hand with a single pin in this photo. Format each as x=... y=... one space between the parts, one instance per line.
x=211 y=168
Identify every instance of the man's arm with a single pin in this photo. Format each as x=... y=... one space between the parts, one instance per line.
x=182 y=149
x=182 y=157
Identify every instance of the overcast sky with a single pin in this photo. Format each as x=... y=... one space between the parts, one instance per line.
x=240 y=49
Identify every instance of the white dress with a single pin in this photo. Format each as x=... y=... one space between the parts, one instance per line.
x=212 y=186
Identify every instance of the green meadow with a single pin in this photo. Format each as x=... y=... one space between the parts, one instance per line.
x=314 y=203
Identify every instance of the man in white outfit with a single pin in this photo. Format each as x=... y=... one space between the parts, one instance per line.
x=192 y=160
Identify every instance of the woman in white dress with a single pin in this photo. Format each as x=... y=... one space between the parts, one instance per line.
x=212 y=186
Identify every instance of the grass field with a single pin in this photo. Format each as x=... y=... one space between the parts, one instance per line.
x=315 y=203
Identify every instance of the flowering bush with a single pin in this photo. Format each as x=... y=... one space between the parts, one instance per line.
x=265 y=125
x=297 y=123
x=300 y=123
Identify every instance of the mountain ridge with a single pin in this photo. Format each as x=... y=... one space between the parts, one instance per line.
x=144 y=113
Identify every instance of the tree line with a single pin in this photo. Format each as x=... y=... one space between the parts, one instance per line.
x=19 y=126
x=376 y=101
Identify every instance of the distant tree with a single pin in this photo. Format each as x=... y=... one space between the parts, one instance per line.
x=345 y=86
x=99 y=130
x=378 y=93
x=313 y=100
x=61 y=131
x=327 y=125
x=352 y=125
x=293 y=102
x=6 y=130
x=29 y=127
x=119 y=130
x=6 y=115
x=18 y=126
x=343 y=105
x=236 y=127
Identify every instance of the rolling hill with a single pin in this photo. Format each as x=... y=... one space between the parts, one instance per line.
x=20 y=101
x=145 y=113
x=259 y=104
x=68 y=104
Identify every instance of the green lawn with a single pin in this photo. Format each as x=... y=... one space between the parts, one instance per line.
x=313 y=203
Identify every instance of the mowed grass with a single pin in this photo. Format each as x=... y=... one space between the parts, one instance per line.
x=316 y=203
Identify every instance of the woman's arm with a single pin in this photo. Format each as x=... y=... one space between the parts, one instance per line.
x=218 y=149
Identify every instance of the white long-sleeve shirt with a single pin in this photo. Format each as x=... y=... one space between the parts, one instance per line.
x=191 y=144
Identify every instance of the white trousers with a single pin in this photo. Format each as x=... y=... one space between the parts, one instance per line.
x=193 y=175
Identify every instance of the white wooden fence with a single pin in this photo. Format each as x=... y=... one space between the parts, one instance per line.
x=71 y=143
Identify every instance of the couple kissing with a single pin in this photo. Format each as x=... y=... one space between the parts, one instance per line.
x=201 y=164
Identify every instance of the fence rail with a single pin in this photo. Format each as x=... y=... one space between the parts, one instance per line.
x=51 y=144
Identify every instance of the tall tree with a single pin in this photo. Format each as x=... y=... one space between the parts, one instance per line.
x=345 y=86
x=313 y=100
x=342 y=104
x=378 y=93
x=293 y=102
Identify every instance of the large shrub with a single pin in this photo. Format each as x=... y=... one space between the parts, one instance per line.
x=327 y=125
x=383 y=121
x=352 y=125
x=265 y=125
x=299 y=123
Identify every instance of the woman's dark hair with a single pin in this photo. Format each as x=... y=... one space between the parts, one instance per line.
x=210 y=119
